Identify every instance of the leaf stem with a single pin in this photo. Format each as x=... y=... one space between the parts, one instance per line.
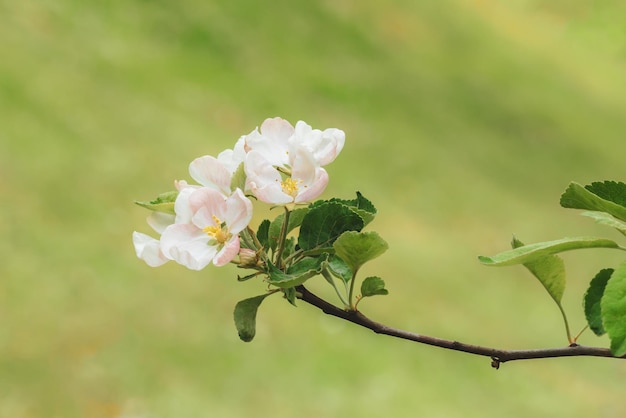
x=329 y=278
x=351 y=293
x=567 y=331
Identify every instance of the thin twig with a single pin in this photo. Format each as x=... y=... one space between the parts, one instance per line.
x=497 y=356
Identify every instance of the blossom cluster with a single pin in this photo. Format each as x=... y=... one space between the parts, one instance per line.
x=277 y=164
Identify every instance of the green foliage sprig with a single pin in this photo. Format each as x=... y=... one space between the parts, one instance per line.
x=604 y=302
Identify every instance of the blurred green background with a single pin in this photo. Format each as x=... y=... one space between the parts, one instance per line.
x=465 y=120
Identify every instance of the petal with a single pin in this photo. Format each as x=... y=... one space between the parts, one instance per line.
x=231 y=158
x=182 y=207
x=206 y=203
x=272 y=141
x=228 y=252
x=148 y=249
x=264 y=180
x=187 y=245
x=238 y=212
x=311 y=191
x=160 y=220
x=210 y=172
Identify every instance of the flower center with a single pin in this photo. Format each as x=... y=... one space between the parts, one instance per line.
x=290 y=186
x=219 y=232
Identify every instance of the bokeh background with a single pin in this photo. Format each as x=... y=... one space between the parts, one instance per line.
x=465 y=120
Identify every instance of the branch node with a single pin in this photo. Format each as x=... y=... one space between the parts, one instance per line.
x=495 y=362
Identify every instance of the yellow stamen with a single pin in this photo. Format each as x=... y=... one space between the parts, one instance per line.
x=219 y=231
x=290 y=186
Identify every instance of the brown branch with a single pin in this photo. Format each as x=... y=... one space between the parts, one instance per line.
x=497 y=356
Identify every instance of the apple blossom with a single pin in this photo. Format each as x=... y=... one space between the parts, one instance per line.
x=212 y=233
x=324 y=145
x=301 y=182
x=148 y=248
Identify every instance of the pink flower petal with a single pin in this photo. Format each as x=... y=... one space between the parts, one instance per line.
x=210 y=172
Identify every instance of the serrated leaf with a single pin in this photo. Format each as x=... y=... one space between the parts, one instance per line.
x=613 y=310
x=262 y=233
x=361 y=206
x=549 y=270
x=163 y=203
x=295 y=220
x=604 y=218
x=357 y=248
x=591 y=301
x=296 y=274
x=532 y=252
x=613 y=191
x=245 y=316
x=373 y=286
x=325 y=222
x=579 y=197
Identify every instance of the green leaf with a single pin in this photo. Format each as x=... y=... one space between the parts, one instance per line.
x=262 y=233
x=245 y=316
x=339 y=268
x=357 y=248
x=295 y=220
x=325 y=222
x=591 y=301
x=612 y=191
x=163 y=203
x=604 y=218
x=613 y=310
x=549 y=270
x=603 y=197
x=290 y=295
x=296 y=274
x=532 y=252
x=373 y=286
x=361 y=206
x=238 y=180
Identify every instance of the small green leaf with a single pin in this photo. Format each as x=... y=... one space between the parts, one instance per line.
x=549 y=270
x=245 y=316
x=238 y=180
x=531 y=252
x=296 y=274
x=373 y=286
x=357 y=248
x=295 y=220
x=163 y=203
x=290 y=295
x=591 y=301
x=603 y=197
x=613 y=310
x=262 y=233
x=325 y=222
x=339 y=268
x=604 y=218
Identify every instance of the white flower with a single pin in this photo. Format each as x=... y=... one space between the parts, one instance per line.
x=148 y=248
x=302 y=181
x=324 y=145
x=283 y=164
x=212 y=233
